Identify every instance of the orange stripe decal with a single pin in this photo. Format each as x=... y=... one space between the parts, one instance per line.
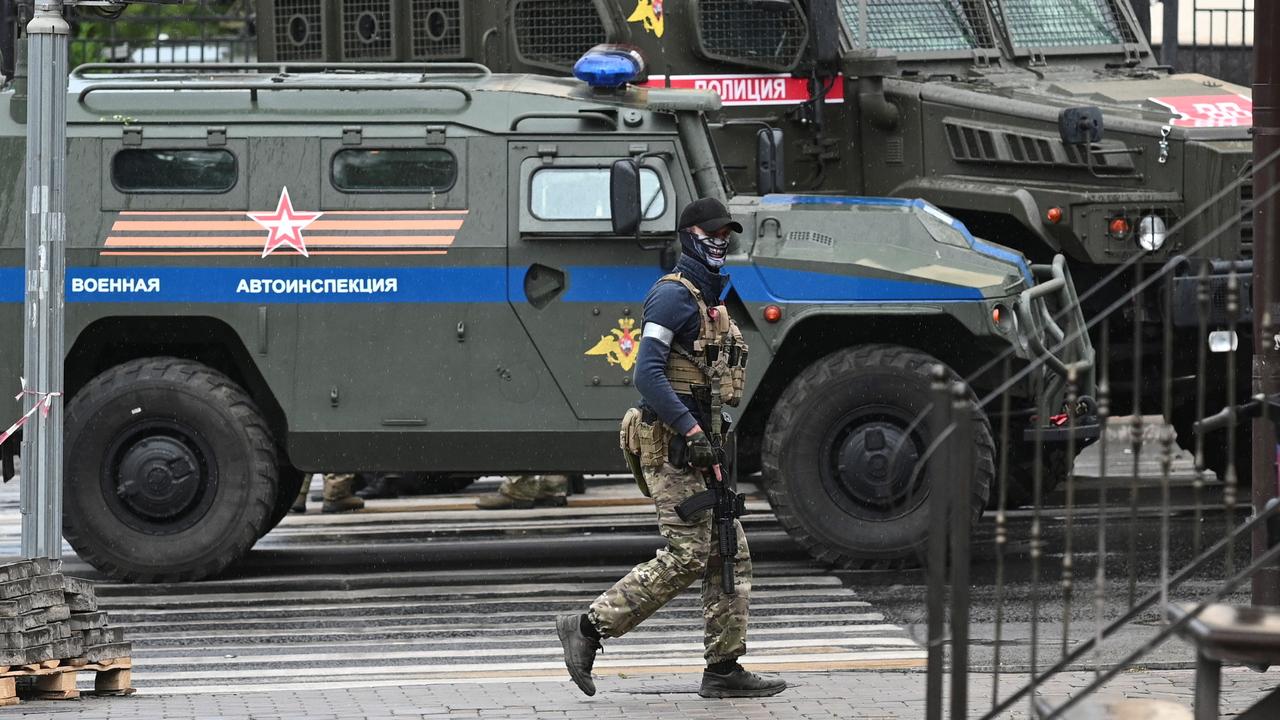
x=244 y=241
x=208 y=253
x=250 y=225
x=199 y=213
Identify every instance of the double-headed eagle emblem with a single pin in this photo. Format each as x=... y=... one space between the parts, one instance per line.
x=620 y=346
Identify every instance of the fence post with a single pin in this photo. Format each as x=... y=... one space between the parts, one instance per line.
x=1142 y=10
x=1169 y=36
x=959 y=457
x=1266 y=275
x=939 y=501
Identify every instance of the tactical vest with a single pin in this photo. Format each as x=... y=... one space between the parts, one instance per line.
x=718 y=359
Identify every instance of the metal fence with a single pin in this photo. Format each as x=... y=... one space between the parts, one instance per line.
x=1123 y=556
x=193 y=32
x=1214 y=37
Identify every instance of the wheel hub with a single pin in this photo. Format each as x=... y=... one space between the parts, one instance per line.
x=159 y=477
x=876 y=462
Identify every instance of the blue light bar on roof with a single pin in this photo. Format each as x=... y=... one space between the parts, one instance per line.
x=609 y=66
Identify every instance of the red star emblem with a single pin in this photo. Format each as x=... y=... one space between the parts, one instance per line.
x=285 y=225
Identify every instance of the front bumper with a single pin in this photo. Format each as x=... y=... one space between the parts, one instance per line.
x=1053 y=329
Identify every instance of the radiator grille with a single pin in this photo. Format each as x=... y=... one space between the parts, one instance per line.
x=299 y=30
x=437 y=29
x=768 y=35
x=557 y=32
x=920 y=25
x=367 y=30
x=1246 y=220
x=974 y=143
x=812 y=237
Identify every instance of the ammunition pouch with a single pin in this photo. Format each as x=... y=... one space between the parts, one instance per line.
x=652 y=439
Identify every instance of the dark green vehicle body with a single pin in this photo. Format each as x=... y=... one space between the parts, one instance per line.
x=952 y=101
x=462 y=304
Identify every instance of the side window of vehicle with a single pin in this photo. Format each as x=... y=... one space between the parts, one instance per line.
x=173 y=174
x=571 y=196
x=178 y=170
x=394 y=170
x=583 y=194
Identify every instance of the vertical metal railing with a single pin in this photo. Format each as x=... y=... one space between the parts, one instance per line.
x=951 y=424
x=1084 y=530
x=1220 y=36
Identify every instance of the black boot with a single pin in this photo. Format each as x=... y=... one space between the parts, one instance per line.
x=738 y=682
x=382 y=487
x=579 y=651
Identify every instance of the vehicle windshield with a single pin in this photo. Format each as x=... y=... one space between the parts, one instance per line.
x=1061 y=23
x=916 y=25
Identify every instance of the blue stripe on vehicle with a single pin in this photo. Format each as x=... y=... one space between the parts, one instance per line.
x=981 y=247
x=286 y=285
x=11 y=284
x=474 y=284
x=772 y=284
x=835 y=200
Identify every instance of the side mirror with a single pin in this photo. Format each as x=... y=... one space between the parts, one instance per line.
x=1080 y=125
x=824 y=31
x=624 y=196
x=769 y=177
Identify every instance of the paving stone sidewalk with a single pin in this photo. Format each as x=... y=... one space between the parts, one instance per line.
x=844 y=694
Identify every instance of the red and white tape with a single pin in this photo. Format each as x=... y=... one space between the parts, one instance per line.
x=44 y=403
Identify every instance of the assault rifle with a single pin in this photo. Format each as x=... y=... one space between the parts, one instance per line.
x=727 y=506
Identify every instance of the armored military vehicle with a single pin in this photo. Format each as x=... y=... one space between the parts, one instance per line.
x=961 y=102
x=283 y=268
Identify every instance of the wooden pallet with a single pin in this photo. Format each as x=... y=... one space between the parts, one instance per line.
x=56 y=679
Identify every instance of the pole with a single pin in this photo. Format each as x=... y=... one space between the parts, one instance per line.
x=1169 y=37
x=1142 y=9
x=1266 y=275
x=939 y=508
x=47 y=39
x=960 y=456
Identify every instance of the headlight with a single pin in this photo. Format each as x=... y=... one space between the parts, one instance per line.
x=1152 y=233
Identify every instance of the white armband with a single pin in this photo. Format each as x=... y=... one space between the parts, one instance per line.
x=659 y=333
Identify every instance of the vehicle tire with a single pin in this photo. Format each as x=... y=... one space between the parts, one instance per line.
x=289 y=485
x=817 y=464
x=170 y=471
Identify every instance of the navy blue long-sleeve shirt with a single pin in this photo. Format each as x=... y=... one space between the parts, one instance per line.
x=671 y=306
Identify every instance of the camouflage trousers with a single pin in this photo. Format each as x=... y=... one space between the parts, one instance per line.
x=692 y=550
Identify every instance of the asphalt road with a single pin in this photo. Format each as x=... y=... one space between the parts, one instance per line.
x=428 y=589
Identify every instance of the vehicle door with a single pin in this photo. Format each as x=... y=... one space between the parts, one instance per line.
x=577 y=287
x=392 y=268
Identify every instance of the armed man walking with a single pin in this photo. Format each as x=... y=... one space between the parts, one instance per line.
x=691 y=362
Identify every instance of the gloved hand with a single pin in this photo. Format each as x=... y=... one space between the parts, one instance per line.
x=701 y=454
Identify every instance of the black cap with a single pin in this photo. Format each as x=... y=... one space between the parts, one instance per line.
x=709 y=214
